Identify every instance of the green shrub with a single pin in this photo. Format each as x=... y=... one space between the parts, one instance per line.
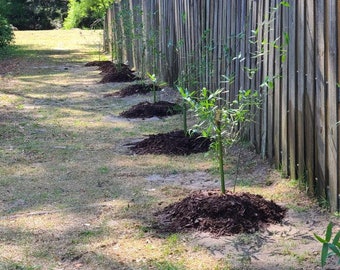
x=6 y=33
x=83 y=13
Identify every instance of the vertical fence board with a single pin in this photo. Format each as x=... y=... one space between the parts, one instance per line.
x=265 y=47
x=300 y=129
x=237 y=47
x=292 y=90
x=228 y=70
x=253 y=65
x=338 y=95
x=270 y=76
x=258 y=77
x=243 y=40
x=309 y=109
x=332 y=103
x=277 y=90
x=284 y=99
x=320 y=117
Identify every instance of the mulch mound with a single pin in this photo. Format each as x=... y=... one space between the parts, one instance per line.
x=135 y=89
x=98 y=63
x=172 y=143
x=119 y=76
x=148 y=110
x=114 y=72
x=220 y=214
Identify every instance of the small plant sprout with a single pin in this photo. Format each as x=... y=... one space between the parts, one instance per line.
x=155 y=82
x=184 y=92
x=221 y=120
x=327 y=244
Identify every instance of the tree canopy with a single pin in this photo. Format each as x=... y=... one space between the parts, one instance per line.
x=51 y=14
x=34 y=14
x=83 y=13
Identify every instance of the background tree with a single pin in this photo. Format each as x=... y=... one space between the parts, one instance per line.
x=6 y=33
x=34 y=14
x=83 y=13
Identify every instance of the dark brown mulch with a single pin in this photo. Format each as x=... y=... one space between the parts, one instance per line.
x=114 y=72
x=122 y=75
x=135 y=89
x=114 y=68
x=172 y=143
x=147 y=110
x=220 y=214
x=98 y=63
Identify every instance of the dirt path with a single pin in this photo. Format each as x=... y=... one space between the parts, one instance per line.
x=73 y=197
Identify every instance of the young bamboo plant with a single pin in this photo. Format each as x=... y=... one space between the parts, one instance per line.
x=184 y=106
x=221 y=123
x=155 y=83
x=327 y=245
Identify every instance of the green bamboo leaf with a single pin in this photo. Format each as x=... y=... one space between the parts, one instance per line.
x=335 y=249
x=336 y=239
x=321 y=240
x=329 y=232
x=286 y=38
x=324 y=254
x=285 y=4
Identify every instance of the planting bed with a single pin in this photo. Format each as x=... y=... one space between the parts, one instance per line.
x=114 y=72
x=147 y=110
x=134 y=89
x=172 y=143
x=220 y=214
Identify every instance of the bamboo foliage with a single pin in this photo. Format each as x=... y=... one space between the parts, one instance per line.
x=290 y=55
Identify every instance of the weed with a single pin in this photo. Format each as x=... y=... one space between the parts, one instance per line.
x=103 y=170
x=173 y=245
x=244 y=182
x=298 y=208
x=17 y=266
x=166 y=265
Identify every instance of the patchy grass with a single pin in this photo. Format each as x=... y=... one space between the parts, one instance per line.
x=72 y=197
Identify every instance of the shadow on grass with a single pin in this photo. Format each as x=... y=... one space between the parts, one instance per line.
x=28 y=58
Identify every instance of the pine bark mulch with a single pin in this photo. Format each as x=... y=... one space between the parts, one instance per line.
x=147 y=110
x=220 y=214
x=172 y=143
x=114 y=72
x=134 y=89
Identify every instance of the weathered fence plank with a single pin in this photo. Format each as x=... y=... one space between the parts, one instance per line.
x=338 y=93
x=277 y=90
x=284 y=99
x=332 y=104
x=309 y=108
x=300 y=128
x=320 y=106
x=253 y=65
x=292 y=90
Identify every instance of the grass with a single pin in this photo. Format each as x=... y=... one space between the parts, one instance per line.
x=70 y=196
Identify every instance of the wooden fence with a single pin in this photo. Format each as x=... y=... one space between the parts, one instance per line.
x=290 y=55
